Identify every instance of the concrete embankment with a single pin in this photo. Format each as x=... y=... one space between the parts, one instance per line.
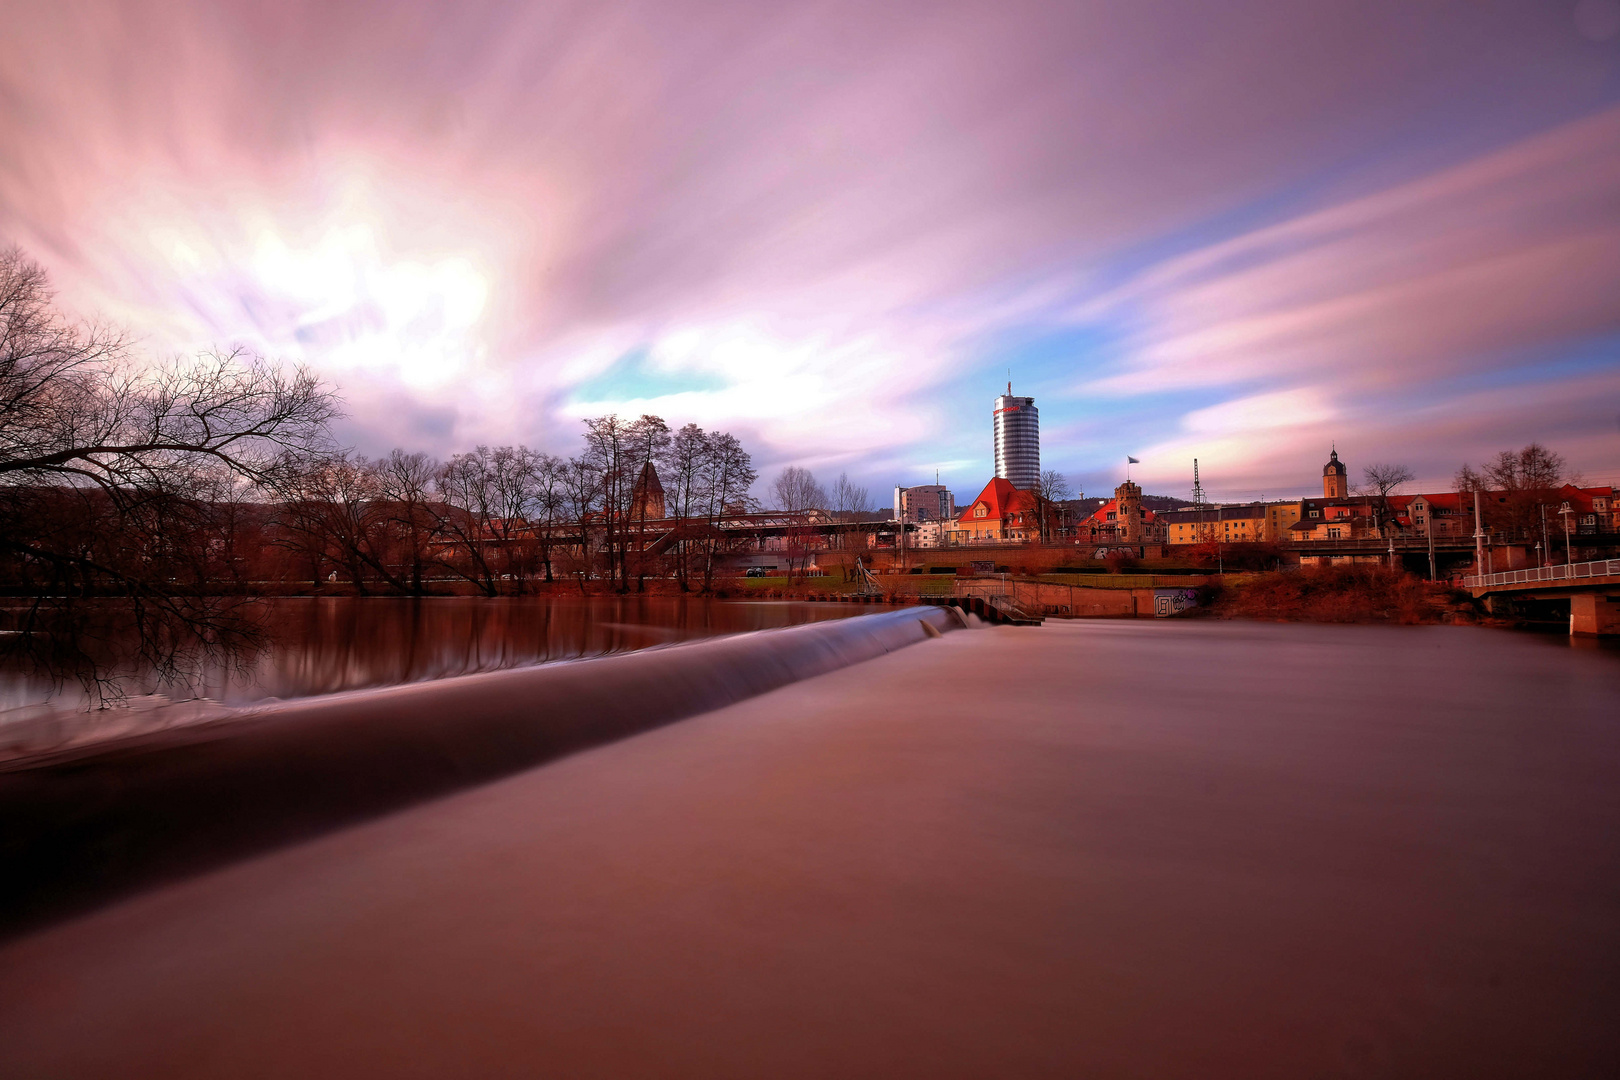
x=81 y=827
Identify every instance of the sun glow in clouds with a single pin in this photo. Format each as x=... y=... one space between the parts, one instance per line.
x=357 y=310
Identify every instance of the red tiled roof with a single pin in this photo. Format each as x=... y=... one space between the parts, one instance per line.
x=1001 y=500
x=1444 y=500
x=1100 y=516
x=1580 y=499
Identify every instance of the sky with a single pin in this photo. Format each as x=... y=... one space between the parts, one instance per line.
x=1242 y=232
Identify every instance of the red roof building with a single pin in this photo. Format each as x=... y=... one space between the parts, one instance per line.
x=999 y=513
x=1106 y=526
x=1592 y=509
x=1122 y=520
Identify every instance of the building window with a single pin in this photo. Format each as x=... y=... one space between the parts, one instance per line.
x=1316 y=513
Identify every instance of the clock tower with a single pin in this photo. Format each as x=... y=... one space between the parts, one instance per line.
x=1335 y=483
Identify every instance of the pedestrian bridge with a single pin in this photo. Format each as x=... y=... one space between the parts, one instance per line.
x=1592 y=589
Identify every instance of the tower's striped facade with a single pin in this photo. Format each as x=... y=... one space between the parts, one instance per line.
x=1018 y=441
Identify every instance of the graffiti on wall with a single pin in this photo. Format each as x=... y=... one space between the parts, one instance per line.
x=1168 y=602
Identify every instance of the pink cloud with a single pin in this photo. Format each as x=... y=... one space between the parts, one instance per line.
x=465 y=213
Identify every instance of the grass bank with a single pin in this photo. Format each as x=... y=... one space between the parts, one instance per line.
x=1342 y=594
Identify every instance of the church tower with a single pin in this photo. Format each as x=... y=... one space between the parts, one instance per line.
x=647 y=496
x=1335 y=484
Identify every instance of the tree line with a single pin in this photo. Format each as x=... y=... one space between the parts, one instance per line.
x=221 y=474
x=502 y=519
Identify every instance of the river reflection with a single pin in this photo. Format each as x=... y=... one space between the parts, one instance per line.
x=324 y=645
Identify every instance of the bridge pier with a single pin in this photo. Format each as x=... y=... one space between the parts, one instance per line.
x=1592 y=614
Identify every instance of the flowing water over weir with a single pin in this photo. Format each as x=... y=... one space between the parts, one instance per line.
x=85 y=825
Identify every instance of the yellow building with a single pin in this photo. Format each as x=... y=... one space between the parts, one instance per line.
x=1280 y=517
x=1248 y=523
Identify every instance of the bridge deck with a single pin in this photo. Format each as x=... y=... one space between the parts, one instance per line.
x=1600 y=573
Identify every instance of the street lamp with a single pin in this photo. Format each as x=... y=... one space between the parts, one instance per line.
x=1545 y=547
x=1564 y=512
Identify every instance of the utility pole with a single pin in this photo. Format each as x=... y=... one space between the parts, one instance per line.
x=1479 y=538
x=1546 y=551
x=1428 y=517
x=1564 y=512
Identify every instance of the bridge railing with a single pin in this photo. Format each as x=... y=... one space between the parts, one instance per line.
x=1567 y=572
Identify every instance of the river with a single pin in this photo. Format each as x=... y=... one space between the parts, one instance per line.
x=1091 y=848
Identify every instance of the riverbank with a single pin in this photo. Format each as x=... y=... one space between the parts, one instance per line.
x=1105 y=848
x=1343 y=594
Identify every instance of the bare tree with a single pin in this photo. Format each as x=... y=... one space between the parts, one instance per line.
x=1533 y=468
x=333 y=510
x=582 y=494
x=849 y=500
x=513 y=476
x=133 y=454
x=1468 y=479
x=466 y=486
x=795 y=489
x=1523 y=481
x=1380 y=482
x=1054 y=487
x=728 y=476
x=76 y=408
x=685 y=464
x=405 y=484
x=550 y=504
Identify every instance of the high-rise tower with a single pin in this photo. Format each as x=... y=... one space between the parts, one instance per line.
x=1018 y=441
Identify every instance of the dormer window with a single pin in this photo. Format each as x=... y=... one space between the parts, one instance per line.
x=981 y=510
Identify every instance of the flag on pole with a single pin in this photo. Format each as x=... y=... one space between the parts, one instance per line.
x=1131 y=461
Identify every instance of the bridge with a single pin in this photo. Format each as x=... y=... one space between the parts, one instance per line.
x=1592 y=589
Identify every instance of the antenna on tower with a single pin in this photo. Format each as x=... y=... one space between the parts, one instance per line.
x=1198 y=488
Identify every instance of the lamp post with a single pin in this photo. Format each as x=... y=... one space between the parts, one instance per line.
x=1428 y=520
x=1564 y=512
x=1479 y=538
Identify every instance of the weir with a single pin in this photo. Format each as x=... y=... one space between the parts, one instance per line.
x=82 y=827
